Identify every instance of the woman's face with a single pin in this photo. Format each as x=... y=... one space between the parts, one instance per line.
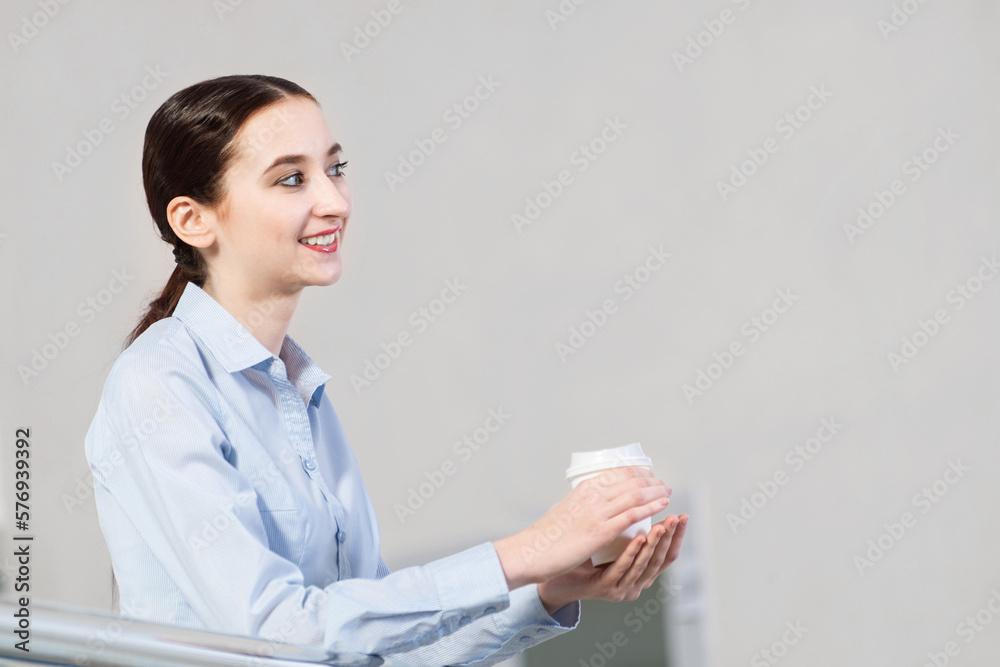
x=283 y=187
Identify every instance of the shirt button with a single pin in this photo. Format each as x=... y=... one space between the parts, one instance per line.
x=489 y=610
x=341 y=536
x=310 y=464
x=543 y=631
x=464 y=620
x=525 y=639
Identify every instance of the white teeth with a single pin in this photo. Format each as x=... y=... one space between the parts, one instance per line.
x=325 y=240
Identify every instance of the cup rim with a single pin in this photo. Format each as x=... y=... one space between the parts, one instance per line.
x=606 y=459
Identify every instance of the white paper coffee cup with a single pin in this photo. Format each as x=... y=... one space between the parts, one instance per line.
x=584 y=465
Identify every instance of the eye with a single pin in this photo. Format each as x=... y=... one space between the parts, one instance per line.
x=339 y=167
x=285 y=180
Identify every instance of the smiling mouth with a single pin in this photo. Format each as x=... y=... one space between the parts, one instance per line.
x=323 y=240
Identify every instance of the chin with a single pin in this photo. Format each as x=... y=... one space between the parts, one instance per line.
x=328 y=279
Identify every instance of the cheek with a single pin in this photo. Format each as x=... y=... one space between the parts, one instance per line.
x=280 y=226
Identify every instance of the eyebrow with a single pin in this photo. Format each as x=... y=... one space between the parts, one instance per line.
x=295 y=159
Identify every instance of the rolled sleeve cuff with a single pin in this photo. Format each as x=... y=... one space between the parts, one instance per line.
x=527 y=617
x=470 y=584
x=567 y=616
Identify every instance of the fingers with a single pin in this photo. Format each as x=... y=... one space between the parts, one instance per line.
x=662 y=548
x=617 y=481
x=636 y=495
x=642 y=562
x=620 y=566
x=634 y=514
x=658 y=561
x=675 y=543
x=644 y=559
x=623 y=488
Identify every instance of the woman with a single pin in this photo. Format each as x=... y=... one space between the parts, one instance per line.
x=226 y=489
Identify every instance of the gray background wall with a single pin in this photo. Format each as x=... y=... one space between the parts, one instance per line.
x=857 y=294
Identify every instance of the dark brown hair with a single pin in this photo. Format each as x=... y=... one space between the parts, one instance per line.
x=187 y=149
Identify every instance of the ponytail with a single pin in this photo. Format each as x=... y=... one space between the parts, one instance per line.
x=163 y=306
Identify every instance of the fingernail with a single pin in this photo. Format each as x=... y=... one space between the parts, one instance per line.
x=670 y=491
x=684 y=521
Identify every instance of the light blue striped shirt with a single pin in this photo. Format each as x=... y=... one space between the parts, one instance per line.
x=231 y=501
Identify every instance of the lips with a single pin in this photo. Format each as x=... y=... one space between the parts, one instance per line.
x=325 y=241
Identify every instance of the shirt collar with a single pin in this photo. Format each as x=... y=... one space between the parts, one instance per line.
x=237 y=349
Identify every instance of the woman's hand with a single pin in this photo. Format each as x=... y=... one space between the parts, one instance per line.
x=591 y=516
x=645 y=558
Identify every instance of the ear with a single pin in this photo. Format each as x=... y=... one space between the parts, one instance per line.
x=193 y=223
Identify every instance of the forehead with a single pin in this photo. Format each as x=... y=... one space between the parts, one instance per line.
x=292 y=126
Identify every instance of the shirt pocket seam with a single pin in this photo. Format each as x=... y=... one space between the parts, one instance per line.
x=295 y=547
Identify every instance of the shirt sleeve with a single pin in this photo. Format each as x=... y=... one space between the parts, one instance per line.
x=500 y=636
x=159 y=451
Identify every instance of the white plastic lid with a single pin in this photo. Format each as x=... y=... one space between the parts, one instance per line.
x=582 y=463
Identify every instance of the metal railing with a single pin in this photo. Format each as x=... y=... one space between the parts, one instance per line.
x=64 y=635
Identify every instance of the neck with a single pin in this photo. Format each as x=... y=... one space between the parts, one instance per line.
x=265 y=315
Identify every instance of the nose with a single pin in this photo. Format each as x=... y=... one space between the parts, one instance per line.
x=332 y=199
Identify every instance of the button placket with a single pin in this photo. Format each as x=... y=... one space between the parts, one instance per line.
x=277 y=373
x=300 y=433
x=343 y=562
x=300 y=430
